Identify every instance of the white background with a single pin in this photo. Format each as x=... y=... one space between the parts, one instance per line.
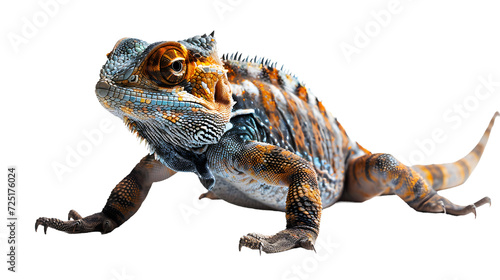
x=425 y=61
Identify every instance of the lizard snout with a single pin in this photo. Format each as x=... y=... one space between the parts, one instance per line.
x=102 y=88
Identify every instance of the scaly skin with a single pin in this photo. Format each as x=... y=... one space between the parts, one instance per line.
x=255 y=136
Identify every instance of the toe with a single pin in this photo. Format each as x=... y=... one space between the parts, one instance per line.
x=250 y=241
x=73 y=215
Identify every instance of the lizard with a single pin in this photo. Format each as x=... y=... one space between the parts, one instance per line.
x=255 y=136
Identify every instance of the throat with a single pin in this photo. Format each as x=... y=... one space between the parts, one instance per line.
x=179 y=158
x=159 y=136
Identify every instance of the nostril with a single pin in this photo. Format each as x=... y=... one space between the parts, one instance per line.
x=102 y=88
x=133 y=79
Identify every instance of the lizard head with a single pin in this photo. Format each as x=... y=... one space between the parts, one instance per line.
x=173 y=92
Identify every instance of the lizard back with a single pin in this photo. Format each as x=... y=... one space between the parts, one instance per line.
x=287 y=115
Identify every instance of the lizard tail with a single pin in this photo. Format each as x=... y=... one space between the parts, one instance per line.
x=449 y=175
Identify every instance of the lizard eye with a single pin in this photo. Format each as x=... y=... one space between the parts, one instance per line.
x=177 y=66
x=167 y=65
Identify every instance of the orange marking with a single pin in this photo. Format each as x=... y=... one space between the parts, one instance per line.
x=269 y=104
x=297 y=126
x=273 y=76
x=363 y=149
x=302 y=93
x=321 y=107
x=127 y=110
x=427 y=174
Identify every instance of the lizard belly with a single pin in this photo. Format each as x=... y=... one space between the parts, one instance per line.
x=250 y=193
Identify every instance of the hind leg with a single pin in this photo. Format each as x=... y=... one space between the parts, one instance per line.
x=372 y=175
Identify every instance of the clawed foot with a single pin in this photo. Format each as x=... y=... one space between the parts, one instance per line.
x=439 y=204
x=76 y=224
x=282 y=241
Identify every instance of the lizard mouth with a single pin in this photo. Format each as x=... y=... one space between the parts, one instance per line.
x=130 y=101
x=222 y=93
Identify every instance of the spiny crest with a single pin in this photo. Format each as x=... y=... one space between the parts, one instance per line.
x=265 y=62
x=204 y=44
x=132 y=126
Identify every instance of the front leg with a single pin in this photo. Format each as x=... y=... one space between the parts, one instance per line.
x=273 y=165
x=124 y=201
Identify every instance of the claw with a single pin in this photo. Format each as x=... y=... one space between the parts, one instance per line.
x=39 y=222
x=442 y=204
x=209 y=195
x=77 y=224
x=474 y=210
